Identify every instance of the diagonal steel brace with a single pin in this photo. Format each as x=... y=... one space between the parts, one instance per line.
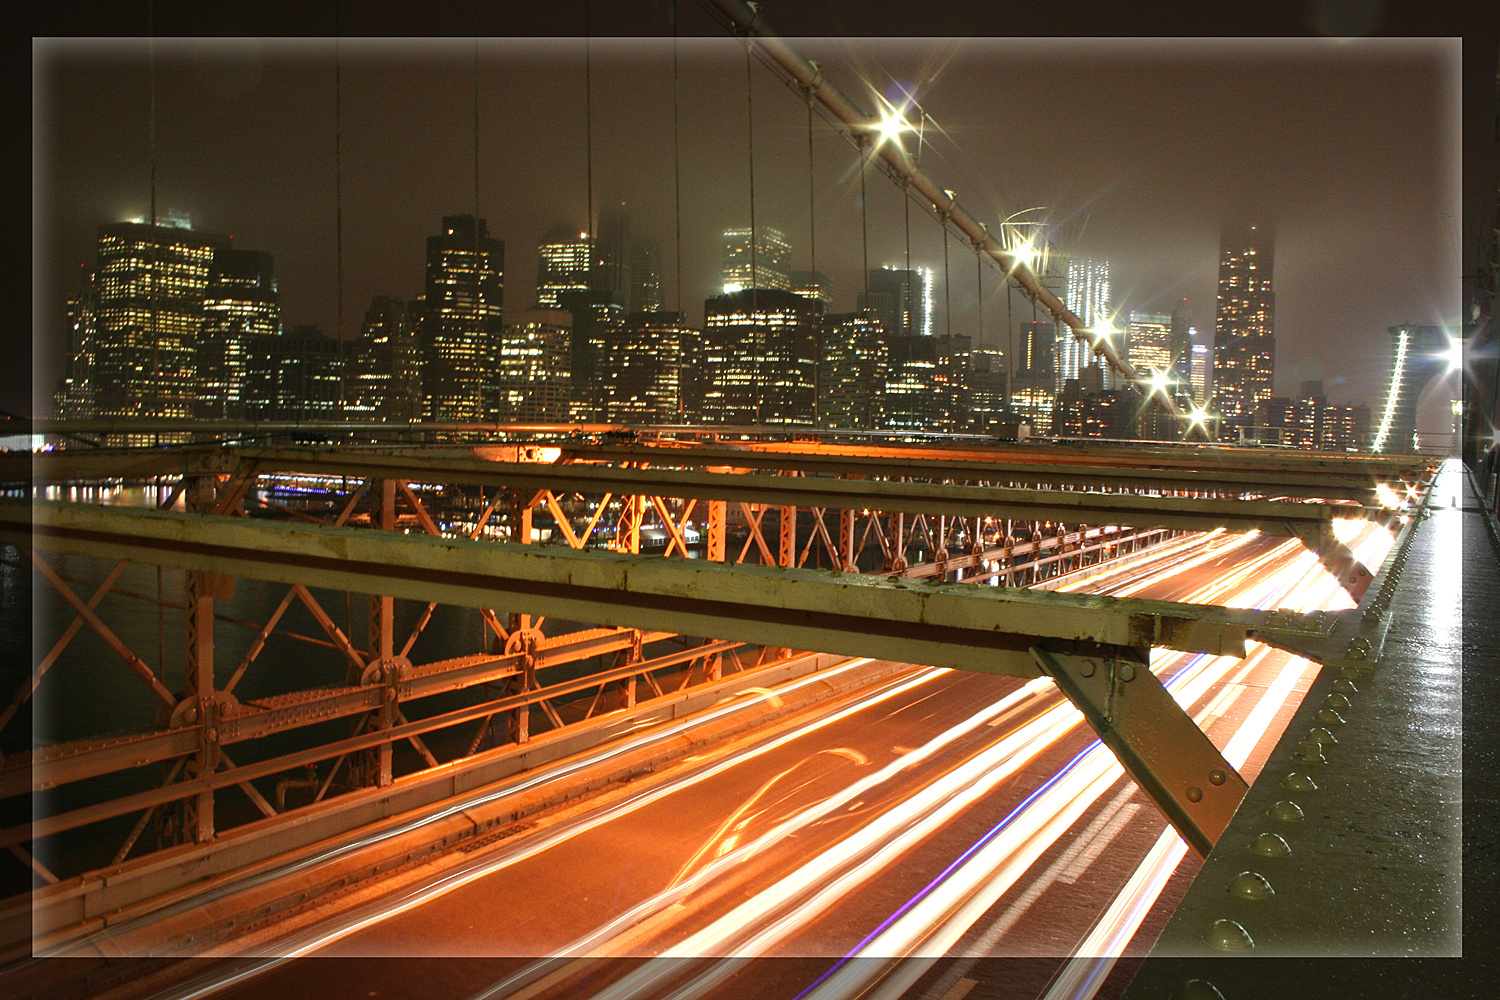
x=1158 y=744
x=1336 y=557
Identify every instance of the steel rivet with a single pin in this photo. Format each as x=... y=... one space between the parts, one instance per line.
x=1194 y=793
x=1345 y=687
x=1350 y=673
x=1285 y=811
x=1310 y=752
x=1197 y=989
x=1320 y=735
x=1226 y=935
x=1329 y=717
x=1217 y=777
x=1271 y=845
x=1336 y=701
x=1251 y=885
x=1299 y=782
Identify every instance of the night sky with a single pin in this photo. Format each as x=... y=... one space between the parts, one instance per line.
x=1350 y=150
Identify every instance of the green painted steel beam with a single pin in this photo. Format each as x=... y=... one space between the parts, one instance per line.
x=1274 y=517
x=970 y=628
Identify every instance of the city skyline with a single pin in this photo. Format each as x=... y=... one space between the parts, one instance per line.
x=1157 y=262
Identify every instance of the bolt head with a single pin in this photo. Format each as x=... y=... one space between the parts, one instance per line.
x=1285 y=811
x=1226 y=935
x=1197 y=989
x=1251 y=885
x=1329 y=717
x=1270 y=845
x=1309 y=752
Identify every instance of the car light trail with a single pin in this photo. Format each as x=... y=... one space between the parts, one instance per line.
x=936 y=918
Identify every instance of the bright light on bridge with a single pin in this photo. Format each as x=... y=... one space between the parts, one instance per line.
x=1158 y=381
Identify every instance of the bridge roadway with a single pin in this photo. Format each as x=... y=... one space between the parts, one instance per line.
x=723 y=854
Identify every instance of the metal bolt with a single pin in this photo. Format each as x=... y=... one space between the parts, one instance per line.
x=1197 y=989
x=1310 y=753
x=1127 y=672
x=1226 y=935
x=1087 y=669
x=1285 y=811
x=1271 y=845
x=1251 y=885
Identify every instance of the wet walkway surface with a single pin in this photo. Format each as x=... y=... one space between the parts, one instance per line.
x=1386 y=886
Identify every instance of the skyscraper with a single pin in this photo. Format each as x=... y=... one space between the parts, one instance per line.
x=1033 y=381
x=298 y=376
x=384 y=377
x=75 y=393
x=640 y=369
x=1150 y=342
x=1244 y=344
x=757 y=358
x=645 y=277
x=239 y=302
x=768 y=262
x=1202 y=361
x=901 y=299
x=852 y=365
x=147 y=311
x=813 y=285
x=532 y=367
x=596 y=319
x=1181 y=341
x=1088 y=299
x=613 y=256
x=564 y=260
x=465 y=292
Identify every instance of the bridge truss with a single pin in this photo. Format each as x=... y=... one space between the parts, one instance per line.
x=609 y=569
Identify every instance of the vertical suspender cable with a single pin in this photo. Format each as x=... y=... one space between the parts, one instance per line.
x=677 y=202
x=589 y=393
x=750 y=157
x=812 y=205
x=677 y=162
x=1010 y=350
x=153 y=248
x=947 y=286
x=812 y=242
x=864 y=217
x=588 y=129
x=476 y=126
x=979 y=295
x=338 y=199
